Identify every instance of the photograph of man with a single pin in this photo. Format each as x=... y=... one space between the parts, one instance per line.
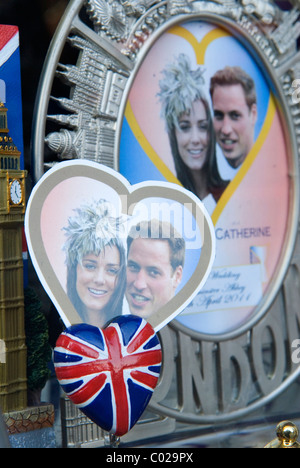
x=156 y=254
x=234 y=104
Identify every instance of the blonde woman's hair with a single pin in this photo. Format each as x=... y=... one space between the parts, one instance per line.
x=180 y=87
x=90 y=230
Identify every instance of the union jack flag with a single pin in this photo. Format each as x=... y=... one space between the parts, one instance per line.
x=110 y=374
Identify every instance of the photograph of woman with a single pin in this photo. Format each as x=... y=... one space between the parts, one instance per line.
x=186 y=112
x=96 y=263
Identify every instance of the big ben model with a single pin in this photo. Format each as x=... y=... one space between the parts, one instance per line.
x=13 y=388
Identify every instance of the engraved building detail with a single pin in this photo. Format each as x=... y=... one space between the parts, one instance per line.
x=98 y=84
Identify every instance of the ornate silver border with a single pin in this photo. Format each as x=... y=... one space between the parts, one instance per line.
x=113 y=37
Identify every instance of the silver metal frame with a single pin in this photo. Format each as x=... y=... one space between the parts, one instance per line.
x=117 y=36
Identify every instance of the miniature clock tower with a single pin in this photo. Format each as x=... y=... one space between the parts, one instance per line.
x=13 y=387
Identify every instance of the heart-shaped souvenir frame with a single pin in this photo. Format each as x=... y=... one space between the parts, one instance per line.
x=63 y=188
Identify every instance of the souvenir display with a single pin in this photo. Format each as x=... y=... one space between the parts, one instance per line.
x=145 y=74
x=13 y=384
x=119 y=262
x=80 y=210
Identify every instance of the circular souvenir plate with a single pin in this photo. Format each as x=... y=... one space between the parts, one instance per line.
x=234 y=347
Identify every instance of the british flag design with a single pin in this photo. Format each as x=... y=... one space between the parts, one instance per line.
x=110 y=374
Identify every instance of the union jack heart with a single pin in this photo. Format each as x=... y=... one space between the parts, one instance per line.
x=110 y=374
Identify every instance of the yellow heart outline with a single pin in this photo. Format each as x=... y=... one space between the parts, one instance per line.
x=155 y=158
